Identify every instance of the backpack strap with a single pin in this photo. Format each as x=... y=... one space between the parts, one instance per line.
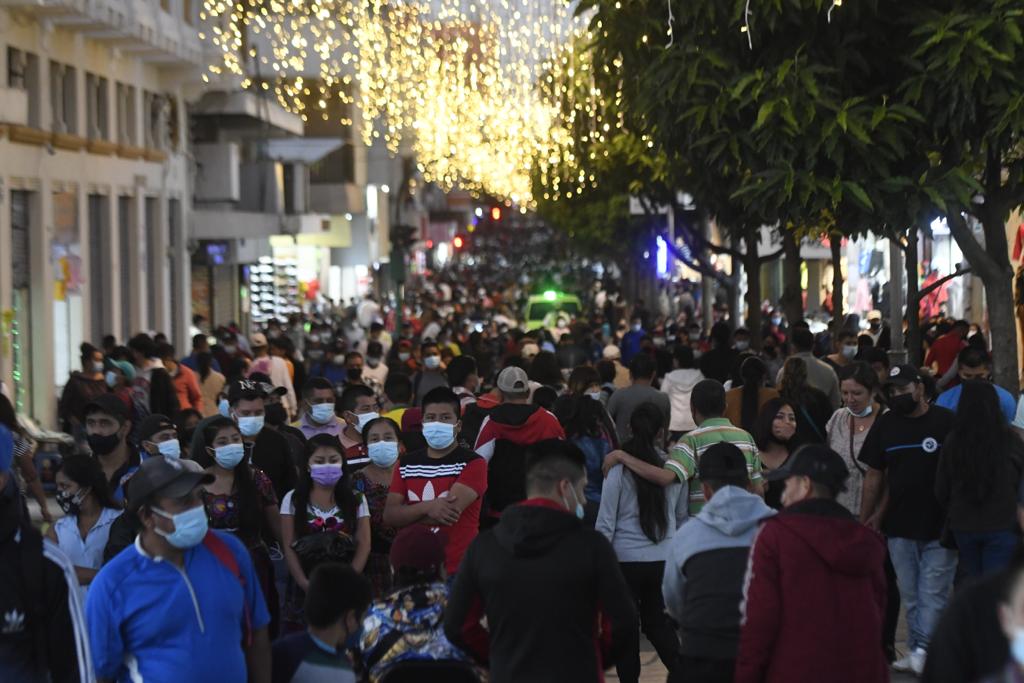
x=222 y=552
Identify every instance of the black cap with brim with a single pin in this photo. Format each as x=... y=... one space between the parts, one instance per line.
x=268 y=386
x=165 y=478
x=248 y=390
x=819 y=463
x=902 y=375
x=154 y=424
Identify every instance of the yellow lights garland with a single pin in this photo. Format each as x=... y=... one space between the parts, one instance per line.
x=481 y=92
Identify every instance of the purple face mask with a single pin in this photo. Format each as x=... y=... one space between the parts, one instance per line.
x=325 y=475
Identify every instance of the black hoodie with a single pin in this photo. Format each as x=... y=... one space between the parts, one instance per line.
x=557 y=606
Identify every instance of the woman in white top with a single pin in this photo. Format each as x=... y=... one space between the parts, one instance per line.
x=849 y=426
x=640 y=518
x=89 y=511
x=324 y=502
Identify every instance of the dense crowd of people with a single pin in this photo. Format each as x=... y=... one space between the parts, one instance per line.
x=456 y=497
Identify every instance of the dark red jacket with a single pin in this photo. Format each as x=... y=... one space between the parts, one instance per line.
x=815 y=600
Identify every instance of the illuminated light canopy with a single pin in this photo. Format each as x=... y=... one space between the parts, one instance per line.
x=464 y=85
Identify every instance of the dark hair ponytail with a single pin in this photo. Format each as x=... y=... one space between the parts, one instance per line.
x=645 y=424
x=753 y=371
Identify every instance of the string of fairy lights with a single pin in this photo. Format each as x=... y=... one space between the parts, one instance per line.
x=488 y=95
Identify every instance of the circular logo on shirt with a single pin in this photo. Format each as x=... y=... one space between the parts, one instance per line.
x=894 y=372
x=929 y=445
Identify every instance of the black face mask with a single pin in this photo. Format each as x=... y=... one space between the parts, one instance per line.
x=276 y=415
x=103 y=445
x=354 y=374
x=68 y=504
x=904 y=404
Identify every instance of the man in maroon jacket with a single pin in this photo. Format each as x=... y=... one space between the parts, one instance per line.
x=814 y=602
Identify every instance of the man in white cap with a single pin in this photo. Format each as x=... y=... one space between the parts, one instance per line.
x=613 y=354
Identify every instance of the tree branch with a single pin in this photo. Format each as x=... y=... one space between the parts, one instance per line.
x=942 y=280
x=976 y=255
x=693 y=263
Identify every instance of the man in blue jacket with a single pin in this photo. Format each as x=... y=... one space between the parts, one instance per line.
x=707 y=560
x=183 y=602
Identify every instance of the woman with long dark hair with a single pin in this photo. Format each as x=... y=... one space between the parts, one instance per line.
x=89 y=511
x=744 y=402
x=639 y=517
x=323 y=502
x=775 y=434
x=383 y=441
x=241 y=500
x=978 y=478
x=811 y=406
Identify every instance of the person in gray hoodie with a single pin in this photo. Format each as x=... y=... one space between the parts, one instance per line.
x=706 y=565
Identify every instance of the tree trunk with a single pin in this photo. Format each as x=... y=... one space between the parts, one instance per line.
x=836 y=243
x=992 y=264
x=752 y=267
x=792 y=293
x=913 y=342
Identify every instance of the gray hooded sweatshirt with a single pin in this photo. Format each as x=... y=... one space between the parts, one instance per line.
x=707 y=559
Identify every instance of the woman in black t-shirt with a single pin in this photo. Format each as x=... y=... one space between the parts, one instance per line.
x=811 y=406
x=775 y=433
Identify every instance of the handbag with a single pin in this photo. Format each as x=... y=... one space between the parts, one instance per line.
x=316 y=548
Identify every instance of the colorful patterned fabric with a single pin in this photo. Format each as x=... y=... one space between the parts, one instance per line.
x=378 y=568
x=407 y=625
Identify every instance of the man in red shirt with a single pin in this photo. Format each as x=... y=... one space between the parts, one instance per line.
x=442 y=485
x=943 y=352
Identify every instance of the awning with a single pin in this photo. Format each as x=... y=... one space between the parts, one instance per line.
x=303 y=150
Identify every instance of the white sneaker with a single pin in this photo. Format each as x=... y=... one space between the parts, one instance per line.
x=917 y=658
x=904 y=663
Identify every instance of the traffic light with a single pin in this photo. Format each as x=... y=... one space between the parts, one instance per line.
x=458 y=242
x=496 y=214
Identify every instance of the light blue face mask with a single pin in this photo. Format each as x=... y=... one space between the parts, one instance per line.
x=229 y=456
x=1017 y=646
x=596 y=395
x=322 y=413
x=432 y=362
x=250 y=425
x=172 y=448
x=383 y=453
x=224 y=408
x=190 y=527
x=439 y=435
x=111 y=378
x=579 y=506
x=863 y=413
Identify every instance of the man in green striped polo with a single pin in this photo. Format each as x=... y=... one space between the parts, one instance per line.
x=707 y=403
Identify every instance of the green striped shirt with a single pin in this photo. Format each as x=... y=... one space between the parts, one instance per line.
x=682 y=460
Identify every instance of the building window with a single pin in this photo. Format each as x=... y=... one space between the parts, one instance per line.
x=126 y=119
x=63 y=98
x=156 y=113
x=96 y=101
x=23 y=74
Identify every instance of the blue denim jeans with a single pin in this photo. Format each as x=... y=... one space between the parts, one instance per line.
x=985 y=553
x=924 y=574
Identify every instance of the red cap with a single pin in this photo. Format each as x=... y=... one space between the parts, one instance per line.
x=418 y=547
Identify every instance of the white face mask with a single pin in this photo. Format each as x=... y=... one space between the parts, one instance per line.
x=363 y=418
x=742 y=345
x=849 y=351
x=596 y=395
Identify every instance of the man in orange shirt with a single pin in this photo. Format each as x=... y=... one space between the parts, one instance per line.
x=186 y=385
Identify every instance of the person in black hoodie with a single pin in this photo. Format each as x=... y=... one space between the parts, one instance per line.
x=42 y=625
x=558 y=608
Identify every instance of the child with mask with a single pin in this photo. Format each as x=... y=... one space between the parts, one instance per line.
x=335 y=603
x=322 y=503
x=381 y=437
x=442 y=485
x=358 y=405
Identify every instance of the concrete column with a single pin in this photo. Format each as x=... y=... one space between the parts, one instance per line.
x=44 y=402
x=116 y=253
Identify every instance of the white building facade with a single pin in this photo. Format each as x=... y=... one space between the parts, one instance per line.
x=95 y=182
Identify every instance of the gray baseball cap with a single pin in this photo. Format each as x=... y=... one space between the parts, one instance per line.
x=166 y=477
x=514 y=381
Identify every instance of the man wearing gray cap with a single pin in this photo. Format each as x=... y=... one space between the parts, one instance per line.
x=183 y=602
x=510 y=427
